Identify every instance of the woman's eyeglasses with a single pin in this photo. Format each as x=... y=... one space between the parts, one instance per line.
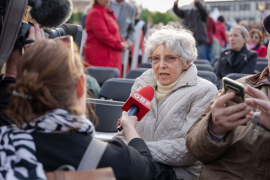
x=167 y=59
x=254 y=37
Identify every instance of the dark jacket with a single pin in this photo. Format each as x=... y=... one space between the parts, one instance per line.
x=128 y=162
x=194 y=20
x=245 y=62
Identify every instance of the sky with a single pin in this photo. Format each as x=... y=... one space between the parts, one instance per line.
x=164 y=5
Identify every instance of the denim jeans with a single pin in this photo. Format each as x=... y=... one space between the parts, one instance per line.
x=201 y=51
x=208 y=51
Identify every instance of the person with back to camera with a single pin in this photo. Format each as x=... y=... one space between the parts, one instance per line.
x=238 y=59
x=255 y=42
x=227 y=149
x=48 y=101
x=196 y=21
x=180 y=98
x=104 y=45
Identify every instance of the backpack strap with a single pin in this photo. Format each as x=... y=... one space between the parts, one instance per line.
x=92 y=155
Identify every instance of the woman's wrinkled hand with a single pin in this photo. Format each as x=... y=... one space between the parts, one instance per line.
x=225 y=118
x=259 y=100
x=128 y=123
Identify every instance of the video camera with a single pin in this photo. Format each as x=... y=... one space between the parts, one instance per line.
x=50 y=14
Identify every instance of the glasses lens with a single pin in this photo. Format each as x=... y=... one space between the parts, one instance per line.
x=170 y=58
x=154 y=59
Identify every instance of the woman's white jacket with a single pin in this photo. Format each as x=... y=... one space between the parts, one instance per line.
x=164 y=127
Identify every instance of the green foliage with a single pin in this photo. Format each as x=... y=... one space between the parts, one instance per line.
x=158 y=17
x=75 y=17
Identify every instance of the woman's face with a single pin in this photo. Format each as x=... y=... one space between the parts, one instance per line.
x=104 y=3
x=167 y=73
x=254 y=38
x=236 y=40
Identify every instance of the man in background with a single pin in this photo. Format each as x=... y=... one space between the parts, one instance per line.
x=125 y=15
x=195 y=20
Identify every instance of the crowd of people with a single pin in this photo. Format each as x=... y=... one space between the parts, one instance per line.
x=193 y=129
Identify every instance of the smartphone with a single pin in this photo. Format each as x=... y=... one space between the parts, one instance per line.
x=230 y=85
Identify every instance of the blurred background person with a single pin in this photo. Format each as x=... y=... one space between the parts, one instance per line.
x=221 y=32
x=195 y=20
x=255 y=42
x=125 y=18
x=177 y=101
x=238 y=59
x=104 y=44
x=211 y=30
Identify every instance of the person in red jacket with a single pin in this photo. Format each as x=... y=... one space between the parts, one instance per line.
x=255 y=42
x=221 y=32
x=211 y=30
x=104 y=44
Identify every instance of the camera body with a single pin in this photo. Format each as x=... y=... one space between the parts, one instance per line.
x=13 y=30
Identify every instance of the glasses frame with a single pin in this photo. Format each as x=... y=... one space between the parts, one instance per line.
x=163 y=59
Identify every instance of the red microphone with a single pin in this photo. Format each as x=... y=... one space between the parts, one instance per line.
x=139 y=103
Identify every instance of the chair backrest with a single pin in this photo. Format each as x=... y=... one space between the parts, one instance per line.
x=108 y=113
x=116 y=89
x=262 y=60
x=102 y=74
x=145 y=65
x=133 y=74
x=260 y=66
x=201 y=61
x=98 y=174
x=210 y=76
x=204 y=67
x=235 y=76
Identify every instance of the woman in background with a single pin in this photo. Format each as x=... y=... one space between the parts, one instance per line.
x=104 y=44
x=255 y=42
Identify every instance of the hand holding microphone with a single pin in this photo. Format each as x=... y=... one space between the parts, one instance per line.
x=139 y=103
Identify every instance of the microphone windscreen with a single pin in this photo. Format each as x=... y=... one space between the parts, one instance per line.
x=52 y=13
x=266 y=24
x=147 y=92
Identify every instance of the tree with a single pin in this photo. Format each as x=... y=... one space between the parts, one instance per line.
x=158 y=17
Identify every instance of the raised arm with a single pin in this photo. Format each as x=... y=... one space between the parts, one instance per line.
x=202 y=11
x=177 y=11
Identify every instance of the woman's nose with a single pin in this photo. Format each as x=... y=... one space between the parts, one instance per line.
x=162 y=63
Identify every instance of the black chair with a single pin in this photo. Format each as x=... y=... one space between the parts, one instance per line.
x=210 y=76
x=201 y=61
x=260 y=66
x=262 y=60
x=145 y=65
x=134 y=73
x=116 y=89
x=102 y=74
x=204 y=67
x=108 y=113
x=235 y=76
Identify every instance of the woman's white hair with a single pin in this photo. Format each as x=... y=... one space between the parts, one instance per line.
x=243 y=30
x=176 y=39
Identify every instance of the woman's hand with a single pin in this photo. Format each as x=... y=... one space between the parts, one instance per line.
x=129 y=124
x=261 y=102
x=125 y=45
x=36 y=33
x=225 y=118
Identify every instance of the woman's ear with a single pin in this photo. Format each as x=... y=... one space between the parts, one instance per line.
x=80 y=88
x=186 y=66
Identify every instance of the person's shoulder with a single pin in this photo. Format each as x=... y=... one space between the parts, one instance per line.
x=226 y=52
x=205 y=85
x=128 y=6
x=252 y=53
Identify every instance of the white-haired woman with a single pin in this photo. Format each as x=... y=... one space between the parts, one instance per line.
x=180 y=98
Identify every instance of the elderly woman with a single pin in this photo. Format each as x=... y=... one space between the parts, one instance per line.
x=180 y=98
x=255 y=42
x=238 y=59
